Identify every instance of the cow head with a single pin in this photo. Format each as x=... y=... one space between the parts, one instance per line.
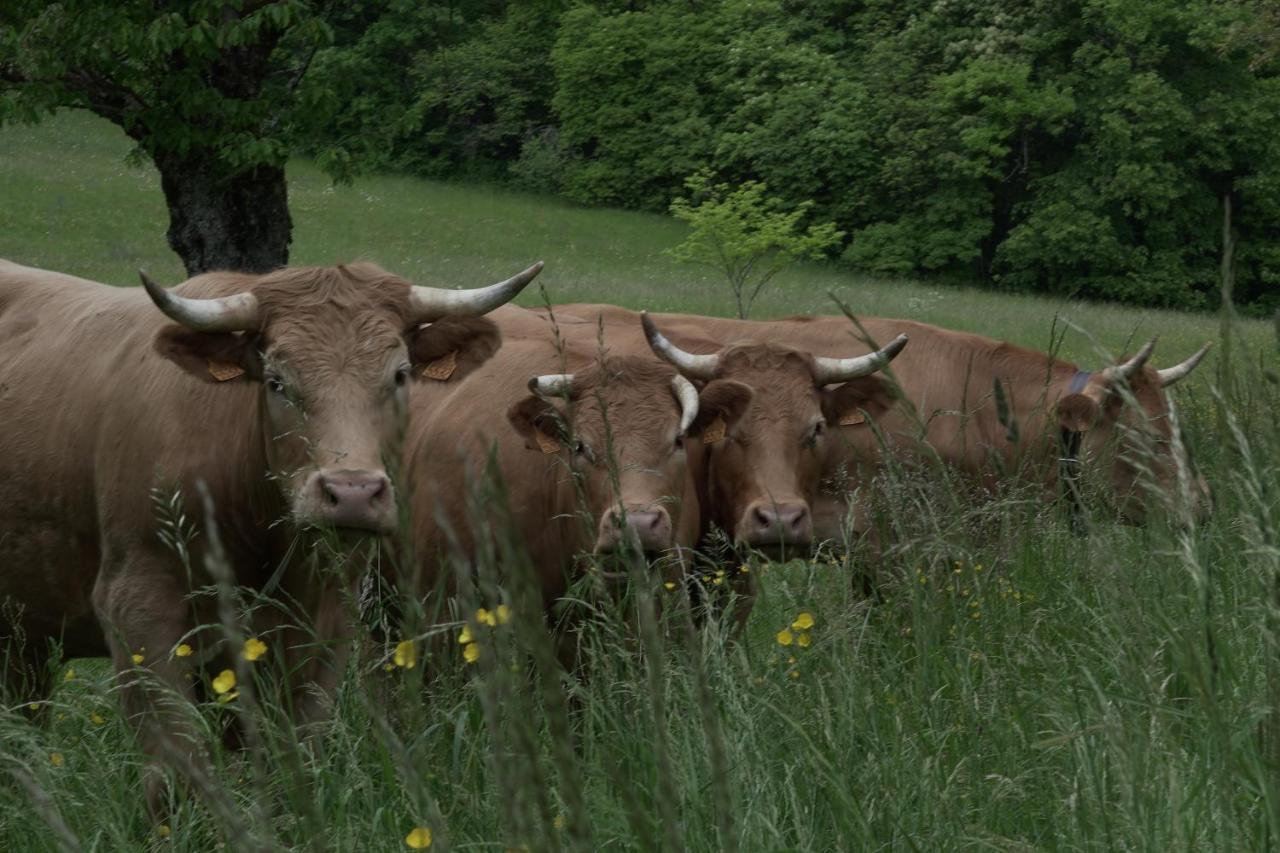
x=764 y=469
x=621 y=425
x=334 y=351
x=1135 y=441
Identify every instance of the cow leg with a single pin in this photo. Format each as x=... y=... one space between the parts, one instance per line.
x=142 y=606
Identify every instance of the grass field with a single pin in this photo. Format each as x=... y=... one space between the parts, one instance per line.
x=1018 y=687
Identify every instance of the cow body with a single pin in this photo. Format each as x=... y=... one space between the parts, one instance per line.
x=280 y=400
x=948 y=378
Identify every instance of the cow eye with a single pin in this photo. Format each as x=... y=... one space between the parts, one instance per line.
x=402 y=376
x=680 y=442
x=275 y=385
x=812 y=438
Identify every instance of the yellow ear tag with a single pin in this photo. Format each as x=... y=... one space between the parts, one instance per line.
x=714 y=432
x=548 y=444
x=853 y=419
x=442 y=368
x=224 y=370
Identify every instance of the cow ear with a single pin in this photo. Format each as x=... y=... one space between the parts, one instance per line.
x=539 y=422
x=1077 y=412
x=851 y=403
x=210 y=356
x=720 y=404
x=449 y=349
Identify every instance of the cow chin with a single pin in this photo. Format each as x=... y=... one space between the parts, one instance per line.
x=347 y=500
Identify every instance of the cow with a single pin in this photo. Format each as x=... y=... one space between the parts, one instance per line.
x=591 y=450
x=1061 y=411
x=282 y=396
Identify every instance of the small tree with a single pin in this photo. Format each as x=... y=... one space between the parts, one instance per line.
x=745 y=233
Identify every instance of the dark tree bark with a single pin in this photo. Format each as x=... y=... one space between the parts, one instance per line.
x=218 y=222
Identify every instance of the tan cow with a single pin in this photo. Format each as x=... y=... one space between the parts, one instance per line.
x=949 y=379
x=283 y=394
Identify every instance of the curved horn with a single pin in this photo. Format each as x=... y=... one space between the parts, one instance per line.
x=695 y=366
x=1129 y=368
x=237 y=313
x=828 y=371
x=688 y=397
x=1170 y=375
x=552 y=384
x=432 y=303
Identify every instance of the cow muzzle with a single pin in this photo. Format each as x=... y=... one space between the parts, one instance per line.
x=776 y=523
x=645 y=528
x=350 y=500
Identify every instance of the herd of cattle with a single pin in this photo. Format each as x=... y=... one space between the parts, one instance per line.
x=287 y=398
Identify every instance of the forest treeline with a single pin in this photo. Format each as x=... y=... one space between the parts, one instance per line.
x=1078 y=147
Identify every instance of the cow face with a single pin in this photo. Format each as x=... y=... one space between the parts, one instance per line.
x=764 y=471
x=335 y=351
x=1122 y=417
x=622 y=426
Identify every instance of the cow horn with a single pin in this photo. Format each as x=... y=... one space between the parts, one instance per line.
x=552 y=384
x=1129 y=368
x=1170 y=375
x=238 y=313
x=432 y=303
x=828 y=371
x=688 y=397
x=695 y=366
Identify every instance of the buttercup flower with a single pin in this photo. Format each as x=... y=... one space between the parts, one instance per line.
x=138 y=656
x=70 y=676
x=803 y=640
x=464 y=636
x=225 y=682
x=471 y=652
x=183 y=651
x=163 y=830
x=484 y=617
x=97 y=719
x=254 y=649
x=419 y=838
x=669 y=585
x=784 y=637
x=55 y=758
x=406 y=654
x=503 y=614
x=803 y=622
x=558 y=823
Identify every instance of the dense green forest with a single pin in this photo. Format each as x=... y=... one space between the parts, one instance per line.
x=1079 y=147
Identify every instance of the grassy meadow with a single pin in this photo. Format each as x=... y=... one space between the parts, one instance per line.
x=1018 y=687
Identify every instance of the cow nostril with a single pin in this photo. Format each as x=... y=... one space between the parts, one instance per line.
x=331 y=494
x=763 y=517
x=379 y=489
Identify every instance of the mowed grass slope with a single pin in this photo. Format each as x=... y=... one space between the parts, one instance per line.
x=1018 y=687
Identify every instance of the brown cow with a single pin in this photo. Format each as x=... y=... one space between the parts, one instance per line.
x=281 y=393
x=949 y=377
x=593 y=461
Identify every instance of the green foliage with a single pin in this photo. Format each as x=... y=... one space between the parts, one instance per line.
x=226 y=80
x=746 y=234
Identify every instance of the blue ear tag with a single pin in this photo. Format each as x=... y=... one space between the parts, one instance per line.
x=1078 y=382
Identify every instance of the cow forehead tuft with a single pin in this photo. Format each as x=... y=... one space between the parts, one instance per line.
x=298 y=294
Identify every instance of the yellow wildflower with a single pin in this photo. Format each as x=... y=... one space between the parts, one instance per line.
x=719 y=578
x=744 y=568
x=70 y=676
x=97 y=719
x=163 y=830
x=504 y=614
x=419 y=838
x=791 y=660
x=183 y=651
x=464 y=636
x=803 y=622
x=471 y=652
x=388 y=667
x=670 y=585
x=795 y=673
x=33 y=706
x=803 y=640
x=784 y=637
x=138 y=656
x=558 y=823
x=484 y=617
x=253 y=649
x=225 y=681
x=406 y=654
x=56 y=759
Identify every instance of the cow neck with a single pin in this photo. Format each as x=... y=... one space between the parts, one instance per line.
x=1069 y=460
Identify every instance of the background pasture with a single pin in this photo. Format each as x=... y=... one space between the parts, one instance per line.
x=1018 y=687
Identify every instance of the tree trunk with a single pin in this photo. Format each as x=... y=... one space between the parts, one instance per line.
x=218 y=222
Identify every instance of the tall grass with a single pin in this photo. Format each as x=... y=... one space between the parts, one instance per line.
x=1013 y=686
